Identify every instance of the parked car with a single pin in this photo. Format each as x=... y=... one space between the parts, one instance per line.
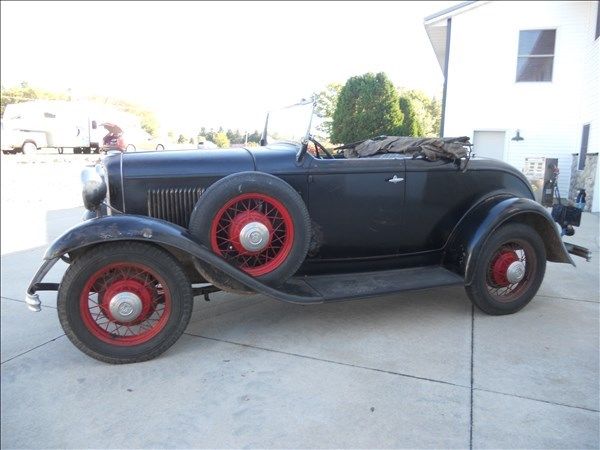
x=138 y=139
x=297 y=226
x=113 y=140
x=205 y=144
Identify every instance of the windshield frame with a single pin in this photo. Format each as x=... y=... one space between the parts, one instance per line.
x=304 y=140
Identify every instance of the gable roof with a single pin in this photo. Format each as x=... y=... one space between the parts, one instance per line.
x=436 y=27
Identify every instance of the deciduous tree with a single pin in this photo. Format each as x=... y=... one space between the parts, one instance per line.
x=221 y=140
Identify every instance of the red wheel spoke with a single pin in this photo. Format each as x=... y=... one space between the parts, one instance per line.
x=154 y=304
x=252 y=208
x=499 y=284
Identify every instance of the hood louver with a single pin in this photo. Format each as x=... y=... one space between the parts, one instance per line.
x=173 y=204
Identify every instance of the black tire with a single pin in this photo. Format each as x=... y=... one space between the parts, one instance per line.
x=246 y=183
x=28 y=148
x=130 y=148
x=160 y=148
x=91 y=339
x=491 y=290
x=60 y=150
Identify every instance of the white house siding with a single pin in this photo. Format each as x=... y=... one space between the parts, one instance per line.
x=483 y=94
x=590 y=111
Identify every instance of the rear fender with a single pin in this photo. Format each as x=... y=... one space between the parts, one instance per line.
x=128 y=227
x=470 y=235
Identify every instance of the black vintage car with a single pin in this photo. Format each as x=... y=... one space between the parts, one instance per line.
x=295 y=222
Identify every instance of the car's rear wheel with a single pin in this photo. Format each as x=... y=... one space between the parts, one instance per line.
x=130 y=148
x=160 y=147
x=509 y=270
x=124 y=303
x=28 y=148
x=257 y=222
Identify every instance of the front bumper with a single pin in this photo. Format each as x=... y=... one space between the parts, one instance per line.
x=577 y=250
x=31 y=296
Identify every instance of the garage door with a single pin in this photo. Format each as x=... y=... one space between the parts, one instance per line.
x=489 y=144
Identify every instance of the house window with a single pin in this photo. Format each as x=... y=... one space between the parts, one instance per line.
x=536 y=55
x=584 y=145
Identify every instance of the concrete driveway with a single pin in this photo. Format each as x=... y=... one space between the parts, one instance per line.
x=420 y=369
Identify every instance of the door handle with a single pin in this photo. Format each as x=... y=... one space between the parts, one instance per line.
x=395 y=179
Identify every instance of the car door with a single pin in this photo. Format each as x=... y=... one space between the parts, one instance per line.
x=356 y=205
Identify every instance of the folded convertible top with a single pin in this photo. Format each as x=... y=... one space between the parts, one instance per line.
x=431 y=148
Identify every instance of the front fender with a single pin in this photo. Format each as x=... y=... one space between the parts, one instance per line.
x=470 y=235
x=127 y=227
x=116 y=228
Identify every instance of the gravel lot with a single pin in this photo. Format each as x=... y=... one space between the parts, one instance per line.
x=420 y=369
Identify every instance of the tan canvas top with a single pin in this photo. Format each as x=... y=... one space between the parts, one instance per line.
x=431 y=148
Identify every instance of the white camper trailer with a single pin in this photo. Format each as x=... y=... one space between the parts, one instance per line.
x=29 y=126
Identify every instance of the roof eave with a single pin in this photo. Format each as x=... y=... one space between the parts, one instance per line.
x=452 y=11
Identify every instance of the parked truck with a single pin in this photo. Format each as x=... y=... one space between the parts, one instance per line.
x=29 y=126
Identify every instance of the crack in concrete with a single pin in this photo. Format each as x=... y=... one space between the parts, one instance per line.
x=472 y=375
x=390 y=372
x=537 y=400
x=32 y=349
x=23 y=301
x=298 y=355
x=567 y=298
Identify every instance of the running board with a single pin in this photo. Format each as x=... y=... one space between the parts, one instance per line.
x=350 y=286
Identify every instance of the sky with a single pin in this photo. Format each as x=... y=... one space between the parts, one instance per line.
x=214 y=63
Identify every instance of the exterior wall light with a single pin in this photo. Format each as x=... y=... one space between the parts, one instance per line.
x=517 y=137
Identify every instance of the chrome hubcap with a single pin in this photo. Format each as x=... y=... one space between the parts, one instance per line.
x=515 y=272
x=254 y=236
x=125 y=306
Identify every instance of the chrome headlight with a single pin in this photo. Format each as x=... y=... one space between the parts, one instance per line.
x=93 y=187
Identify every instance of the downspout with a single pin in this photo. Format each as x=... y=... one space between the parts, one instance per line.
x=446 y=60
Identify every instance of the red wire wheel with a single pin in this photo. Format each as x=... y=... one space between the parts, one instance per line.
x=510 y=270
x=125 y=304
x=253 y=211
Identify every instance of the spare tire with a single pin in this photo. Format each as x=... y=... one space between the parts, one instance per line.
x=255 y=221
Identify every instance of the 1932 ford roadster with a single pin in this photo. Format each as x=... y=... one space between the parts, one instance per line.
x=295 y=222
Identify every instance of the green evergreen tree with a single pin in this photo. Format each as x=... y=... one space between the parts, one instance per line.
x=411 y=125
x=367 y=106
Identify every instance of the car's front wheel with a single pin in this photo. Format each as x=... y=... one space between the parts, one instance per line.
x=509 y=270
x=124 y=303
